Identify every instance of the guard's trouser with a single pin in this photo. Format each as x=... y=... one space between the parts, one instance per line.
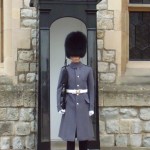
x=82 y=145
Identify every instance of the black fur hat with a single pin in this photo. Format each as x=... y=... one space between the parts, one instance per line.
x=75 y=44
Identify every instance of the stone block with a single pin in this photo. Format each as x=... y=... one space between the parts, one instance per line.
x=10 y=98
x=124 y=126
x=12 y=113
x=145 y=113
x=29 y=23
x=108 y=77
x=99 y=56
x=33 y=33
x=105 y=24
x=29 y=141
x=3 y=113
x=103 y=67
x=102 y=127
x=34 y=13
x=109 y=113
x=22 y=128
x=30 y=77
x=109 y=55
x=34 y=42
x=113 y=67
x=26 y=3
x=112 y=126
x=121 y=140
x=102 y=6
x=100 y=44
x=5 y=143
x=107 y=140
x=27 y=114
x=26 y=56
x=22 y=67
x=100 y=34
x=29 y=99
x=26 y=13
x=21 y=78
x=6 y=128
x=18 y=143
x=33 y=67
x=136 y=140
x=18 y=100
x=105 y=14
x=128 y=113
x=146 y=126
x=146 y=140
x=136 y=126
x=33 y=126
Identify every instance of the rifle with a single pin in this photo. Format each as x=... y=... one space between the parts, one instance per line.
x=64 y=83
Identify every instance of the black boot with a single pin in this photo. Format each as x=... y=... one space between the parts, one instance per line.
x=70 y=145
x=83 y=145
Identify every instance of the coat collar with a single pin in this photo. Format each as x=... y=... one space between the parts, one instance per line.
x=76 y=65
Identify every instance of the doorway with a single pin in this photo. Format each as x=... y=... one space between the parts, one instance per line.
x=58 y=32
x=54 y=26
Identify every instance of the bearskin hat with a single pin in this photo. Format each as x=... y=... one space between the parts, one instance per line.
x=75 y=44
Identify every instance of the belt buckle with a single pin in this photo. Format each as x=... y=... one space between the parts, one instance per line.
x=77 y=92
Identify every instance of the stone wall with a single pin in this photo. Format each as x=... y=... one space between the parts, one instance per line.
x=18 y=127
x=124 y=116
x=17 y=116
x=26 y=61
x=107 y=67
x=124 y=109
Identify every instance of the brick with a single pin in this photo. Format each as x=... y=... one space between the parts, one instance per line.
x=22 y=128
x=107 y=140
x=112 y=126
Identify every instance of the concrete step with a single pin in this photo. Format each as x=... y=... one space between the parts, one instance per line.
x=61 y=145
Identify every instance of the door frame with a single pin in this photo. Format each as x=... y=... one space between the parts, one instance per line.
x=48 y=13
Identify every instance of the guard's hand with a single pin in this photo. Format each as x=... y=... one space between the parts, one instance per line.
x=62 y=111
x=91 y=112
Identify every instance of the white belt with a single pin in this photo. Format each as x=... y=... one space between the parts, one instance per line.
x=78 y=91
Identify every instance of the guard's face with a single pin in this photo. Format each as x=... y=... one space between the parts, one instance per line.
x=75 y=59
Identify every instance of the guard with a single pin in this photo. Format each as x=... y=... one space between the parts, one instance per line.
x=76 y=120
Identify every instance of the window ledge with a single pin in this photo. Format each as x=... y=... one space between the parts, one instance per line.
x=139 y=7
x=138 y=68
x=138 y=64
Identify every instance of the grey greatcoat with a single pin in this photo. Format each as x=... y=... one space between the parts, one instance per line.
x=76 y=123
